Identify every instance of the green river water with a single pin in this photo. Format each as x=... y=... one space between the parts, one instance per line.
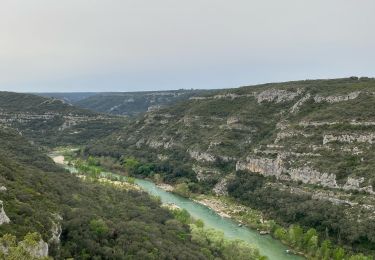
x=267 y=246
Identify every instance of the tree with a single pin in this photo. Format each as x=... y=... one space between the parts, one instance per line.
x=182 y=215
x=325 y=249
x=295 y=235
x=182 y=189
x=98 y=226
x=338 y=253
x=131 y=164
x=280 y=233
x=312 y=245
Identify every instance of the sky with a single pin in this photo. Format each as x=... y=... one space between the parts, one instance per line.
x=123 y=45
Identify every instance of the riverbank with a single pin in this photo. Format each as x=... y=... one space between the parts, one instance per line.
x=228 y=208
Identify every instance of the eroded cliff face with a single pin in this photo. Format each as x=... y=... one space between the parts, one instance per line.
x=264 y=166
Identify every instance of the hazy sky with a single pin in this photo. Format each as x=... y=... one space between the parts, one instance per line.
x=121 y=45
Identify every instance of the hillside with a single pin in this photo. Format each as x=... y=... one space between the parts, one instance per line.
x=302 y=152
x=52 y=122
x=82 y=220
x=126 y=103
x=67 y=97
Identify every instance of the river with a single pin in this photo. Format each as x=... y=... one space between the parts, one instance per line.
x=267 y=246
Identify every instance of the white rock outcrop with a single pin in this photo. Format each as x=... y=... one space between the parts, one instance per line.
x=202 y=156
x=277 y=95
x=4 y=219
x=338 y=98
x=349 y=138
x=312 y=176
x=56 y=229
x=221 y=187
x=355 y=184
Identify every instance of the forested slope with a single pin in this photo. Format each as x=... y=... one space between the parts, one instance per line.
x=84 y=220
x=302 y=152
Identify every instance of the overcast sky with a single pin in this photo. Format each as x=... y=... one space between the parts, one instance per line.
x=121 y=45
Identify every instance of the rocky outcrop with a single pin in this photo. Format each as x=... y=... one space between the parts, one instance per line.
x=284 y=134
x=322 y=123
x=349 y=138
x=338 y=98
x=202 y=156
x=264 y=166
x=159 y=144
x=56 y=229
x=277 y=95
x=331 y=198
x=3 y=216
x=355 y=184
x=312 y=176
x=221 y=187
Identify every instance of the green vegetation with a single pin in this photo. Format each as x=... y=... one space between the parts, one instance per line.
x=97 y=221
x=308 y=242
x=212 y=242
x=20 y=250
x=329 y=221
x=201 y=141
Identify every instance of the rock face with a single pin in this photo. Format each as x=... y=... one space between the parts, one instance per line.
x=274 y=167
x=3 y=217
x=277 y=95
x=311 y=176
x=264 y=166
x=56 y=230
